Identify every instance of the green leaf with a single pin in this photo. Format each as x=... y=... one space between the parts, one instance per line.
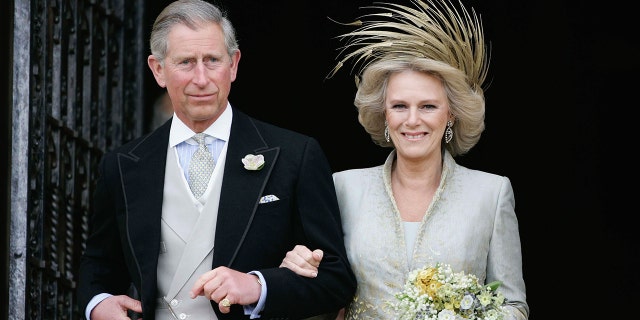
x=494 y=285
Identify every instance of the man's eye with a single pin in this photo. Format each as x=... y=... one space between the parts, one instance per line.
x=210 y=62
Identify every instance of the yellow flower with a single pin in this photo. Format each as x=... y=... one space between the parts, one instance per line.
x=432 y=289
x=426 y=282
x=449 y=305
x=485 y=297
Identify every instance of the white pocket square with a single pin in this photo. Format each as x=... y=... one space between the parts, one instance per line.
x=269 y=198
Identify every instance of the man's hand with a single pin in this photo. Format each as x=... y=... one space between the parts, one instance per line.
x=224 y=283
x=303 y=261
x=115 y=308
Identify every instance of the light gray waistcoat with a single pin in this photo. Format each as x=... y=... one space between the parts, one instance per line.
x=187 y=242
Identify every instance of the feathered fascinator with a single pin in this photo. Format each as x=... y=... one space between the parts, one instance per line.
x=434 y=29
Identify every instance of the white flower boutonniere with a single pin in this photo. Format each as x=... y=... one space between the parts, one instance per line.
x=253 y=162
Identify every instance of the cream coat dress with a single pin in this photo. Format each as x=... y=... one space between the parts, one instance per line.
x=470 y=224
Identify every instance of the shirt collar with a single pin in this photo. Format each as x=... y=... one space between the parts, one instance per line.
x=219 y=129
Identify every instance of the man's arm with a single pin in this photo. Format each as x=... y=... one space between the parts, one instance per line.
x=319 y=227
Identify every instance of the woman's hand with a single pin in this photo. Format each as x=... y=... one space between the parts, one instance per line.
x=303 y=261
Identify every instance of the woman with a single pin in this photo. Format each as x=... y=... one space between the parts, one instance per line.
x=420 y=94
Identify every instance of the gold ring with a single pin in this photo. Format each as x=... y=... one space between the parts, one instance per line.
x=225 y=303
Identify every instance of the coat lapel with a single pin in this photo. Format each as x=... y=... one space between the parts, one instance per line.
x=142 y=177
x=241 y=188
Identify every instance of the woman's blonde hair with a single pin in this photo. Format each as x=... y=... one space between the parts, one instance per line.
x=436 y=38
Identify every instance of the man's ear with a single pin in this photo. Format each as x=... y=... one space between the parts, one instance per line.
x=235 y=60
x=158 y=70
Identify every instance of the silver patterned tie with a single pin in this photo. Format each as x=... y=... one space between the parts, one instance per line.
x=200 y=167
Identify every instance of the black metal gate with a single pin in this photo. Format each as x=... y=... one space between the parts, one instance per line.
x=77 y=92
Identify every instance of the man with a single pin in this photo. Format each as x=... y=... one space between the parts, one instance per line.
x=210 y=251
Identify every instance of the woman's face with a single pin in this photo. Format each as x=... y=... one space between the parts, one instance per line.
x=417 y=111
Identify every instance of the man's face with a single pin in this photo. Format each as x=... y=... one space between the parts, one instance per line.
x=197 y=73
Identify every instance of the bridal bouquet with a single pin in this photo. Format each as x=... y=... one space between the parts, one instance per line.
x=437 y=293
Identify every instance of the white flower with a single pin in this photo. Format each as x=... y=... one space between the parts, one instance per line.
x=253 y=162
x=446 y=315
x=467 y=302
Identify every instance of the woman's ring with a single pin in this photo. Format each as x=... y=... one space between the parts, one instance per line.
x=225 y=303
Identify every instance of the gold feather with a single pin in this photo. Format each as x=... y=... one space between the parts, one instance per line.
x=434 y=29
